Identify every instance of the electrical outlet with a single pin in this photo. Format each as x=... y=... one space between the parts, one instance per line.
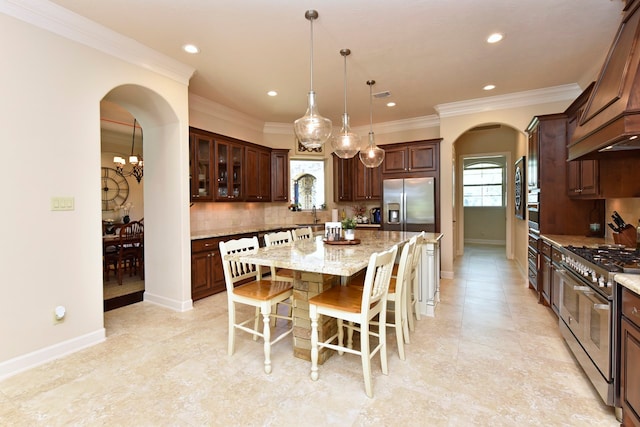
x=59 y=314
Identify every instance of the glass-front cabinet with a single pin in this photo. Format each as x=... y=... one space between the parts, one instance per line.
x=200 y=167
x=229 y=158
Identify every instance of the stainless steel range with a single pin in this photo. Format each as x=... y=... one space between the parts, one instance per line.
x=588 y=310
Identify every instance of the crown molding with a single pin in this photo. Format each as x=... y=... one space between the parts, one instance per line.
x=512 y=100
x=219 y=111
x=70 y=25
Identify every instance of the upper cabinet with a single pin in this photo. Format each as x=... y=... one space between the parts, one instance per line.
x=225 y=169
x=258 y=173
x=368 y=181
x=342 y=179
x=411 y=157
x=200 y=163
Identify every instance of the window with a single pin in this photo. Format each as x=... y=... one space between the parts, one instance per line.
x=307 y=183
x=483 y=182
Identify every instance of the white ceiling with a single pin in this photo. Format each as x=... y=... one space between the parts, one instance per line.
x=425 y=52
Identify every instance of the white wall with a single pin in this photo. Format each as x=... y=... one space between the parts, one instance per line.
x=50 y=108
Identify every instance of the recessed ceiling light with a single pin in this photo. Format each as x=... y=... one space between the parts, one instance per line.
x=391 y=104
x=190 y=48
x=272 y=93
x=494 y=38
x=489 y=87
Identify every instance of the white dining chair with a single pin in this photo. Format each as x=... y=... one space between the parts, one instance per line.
x=302 y=233
x=356 y=307
x=413 y=291
x=274 y=239
x=258 y=293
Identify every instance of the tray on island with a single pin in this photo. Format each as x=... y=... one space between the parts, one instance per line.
x=342 y=242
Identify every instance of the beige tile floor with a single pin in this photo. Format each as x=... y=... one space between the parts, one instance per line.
x=491 y=357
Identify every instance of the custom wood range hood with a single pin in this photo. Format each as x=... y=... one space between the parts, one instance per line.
x=610 y=123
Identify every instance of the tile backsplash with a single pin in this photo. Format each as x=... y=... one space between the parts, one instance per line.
x=628 y=208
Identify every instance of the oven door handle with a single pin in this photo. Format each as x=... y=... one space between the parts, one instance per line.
x=594 y=301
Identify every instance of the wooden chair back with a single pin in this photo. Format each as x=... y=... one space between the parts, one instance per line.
x=278 y=238
x=236 y=271
x=302 y=233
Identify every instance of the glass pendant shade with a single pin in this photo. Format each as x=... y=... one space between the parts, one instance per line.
x=346 y=143
x=372 y=156
x=312 y=130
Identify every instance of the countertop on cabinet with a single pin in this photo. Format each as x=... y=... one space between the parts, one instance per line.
x=629 y=281
x=566 y=240
x=230 y=231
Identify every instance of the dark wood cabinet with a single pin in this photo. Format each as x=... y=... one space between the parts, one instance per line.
x=342 y=179
x=201 y=149
x=583 y=178
x=280 y=175
x=207 y=277
x=229 y=160
x=557 y=212
x=545 y=277
x=630 y=359
x=368 y=181
x=257 y=165
x=411 y=157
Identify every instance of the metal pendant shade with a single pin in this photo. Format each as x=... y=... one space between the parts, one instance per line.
x=345 y=143
x=312 y=130
x=371 y=156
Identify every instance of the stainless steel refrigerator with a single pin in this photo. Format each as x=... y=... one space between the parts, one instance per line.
x=409 y=204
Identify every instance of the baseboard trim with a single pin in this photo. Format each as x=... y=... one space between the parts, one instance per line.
x=28 y=361
x=485 y=242
x=168 y=302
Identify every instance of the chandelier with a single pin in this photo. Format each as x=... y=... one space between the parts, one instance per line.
x=371 y=156
x=135 y=160
x=346 y=143
x=312 y=130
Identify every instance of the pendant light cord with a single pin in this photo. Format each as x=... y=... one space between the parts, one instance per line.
x=345 y=82
x=370 y=83
x=133 y=138
x=311 y=70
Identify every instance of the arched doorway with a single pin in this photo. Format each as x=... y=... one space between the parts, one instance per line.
x=166 y=196
x=492 y=140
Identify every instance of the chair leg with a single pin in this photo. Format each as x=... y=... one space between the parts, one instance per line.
x=313 y=314
x=416 y=291
x=383 y=340
x=398 y=319
x=266 y=313
x=365 y=354
x=232 y=328
x=256 y=323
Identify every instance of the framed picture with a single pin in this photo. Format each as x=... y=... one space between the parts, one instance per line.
x=302 y=150
x=520 y=185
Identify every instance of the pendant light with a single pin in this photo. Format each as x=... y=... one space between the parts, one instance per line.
x=346 y=143
x=371 y=156
x=137 y=164
x=312 y=130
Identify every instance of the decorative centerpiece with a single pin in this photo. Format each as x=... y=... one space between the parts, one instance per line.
x=349 y=227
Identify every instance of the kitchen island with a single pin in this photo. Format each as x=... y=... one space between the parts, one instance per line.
x=319 y=266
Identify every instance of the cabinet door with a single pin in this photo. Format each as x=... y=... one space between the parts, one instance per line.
x=201 y=170
x=229 y=162
x=630 y=373
x=258 y=174
x=583 y=178
x=545 y=277
x=280 y=176
x=422 y=158
x=342 y=179
x=395 y=160
x=367 y=181
x=201 y=277
x=533 y=167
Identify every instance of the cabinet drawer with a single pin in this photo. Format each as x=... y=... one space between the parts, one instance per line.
x=533 y=242
x=545 y=248
x=631 y=306
x=202 y=245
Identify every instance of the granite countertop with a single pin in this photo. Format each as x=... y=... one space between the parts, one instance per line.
x=566 y=240
x=629 y=281
x=315 y=256
x=220 y=232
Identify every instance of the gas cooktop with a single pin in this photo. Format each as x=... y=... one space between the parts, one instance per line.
x=610 y=258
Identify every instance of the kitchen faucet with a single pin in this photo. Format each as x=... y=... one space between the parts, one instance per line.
x=315 y=214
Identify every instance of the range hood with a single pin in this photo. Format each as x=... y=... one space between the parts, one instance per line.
x=610 y=123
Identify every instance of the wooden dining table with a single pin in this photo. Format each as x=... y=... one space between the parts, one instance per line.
x=318 y=266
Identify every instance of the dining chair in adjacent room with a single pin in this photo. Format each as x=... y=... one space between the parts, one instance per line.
x=302 y=233
x=258 y=293
x=356 y=307
x=130 y=253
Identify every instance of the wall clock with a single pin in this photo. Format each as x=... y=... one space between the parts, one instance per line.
x=115 y=189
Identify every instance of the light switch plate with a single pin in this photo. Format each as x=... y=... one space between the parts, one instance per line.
x=62 y=203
